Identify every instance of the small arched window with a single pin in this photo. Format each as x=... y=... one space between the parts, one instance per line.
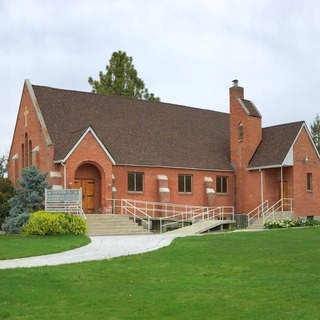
x=30 y=153
x=22 y=156
x=26 y=151
x=240 y=131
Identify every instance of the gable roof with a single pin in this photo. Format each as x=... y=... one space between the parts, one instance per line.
x=275 y=145
x=137 y=132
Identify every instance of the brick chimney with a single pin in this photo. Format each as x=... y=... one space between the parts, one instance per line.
x=245 y=137
x=245 y=117
x=235 y=92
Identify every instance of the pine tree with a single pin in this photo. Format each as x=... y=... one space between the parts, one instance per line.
x=315 y=132
x=27 y=199
x=121 y=79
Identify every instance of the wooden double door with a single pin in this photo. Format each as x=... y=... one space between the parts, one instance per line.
x=88 y=194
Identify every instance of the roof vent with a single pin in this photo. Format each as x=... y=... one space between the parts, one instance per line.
x=235 y=82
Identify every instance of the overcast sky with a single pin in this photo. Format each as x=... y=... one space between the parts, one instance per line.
x=187 y=52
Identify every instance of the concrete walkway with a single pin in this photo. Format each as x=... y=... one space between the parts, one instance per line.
x=100 y=248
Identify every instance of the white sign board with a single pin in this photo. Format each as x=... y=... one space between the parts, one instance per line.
x=66 y=200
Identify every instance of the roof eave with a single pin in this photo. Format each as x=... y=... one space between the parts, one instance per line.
x=172 y=167
x=89 y=129
x=274 y=166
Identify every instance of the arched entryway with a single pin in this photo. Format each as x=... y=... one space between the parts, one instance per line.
x=89 y=179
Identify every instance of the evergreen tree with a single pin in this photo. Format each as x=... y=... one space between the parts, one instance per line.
x=27 y=199
x=121 y=79
x=315 y=132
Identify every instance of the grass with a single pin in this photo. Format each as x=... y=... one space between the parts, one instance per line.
x=17 y=246
x=248 y=275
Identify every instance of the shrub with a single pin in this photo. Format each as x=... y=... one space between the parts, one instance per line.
x=285 y=223
x=48 y=223
x=311 y=223
x=290 y=223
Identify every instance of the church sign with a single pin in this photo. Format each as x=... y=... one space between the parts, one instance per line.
x=66 y=200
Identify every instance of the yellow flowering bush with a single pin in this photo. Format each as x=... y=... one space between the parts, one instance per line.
x=48 y=223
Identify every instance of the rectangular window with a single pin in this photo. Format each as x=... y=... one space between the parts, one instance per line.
x=309 y=181
x=185 y=183
x=135 y=181
x=222 y=184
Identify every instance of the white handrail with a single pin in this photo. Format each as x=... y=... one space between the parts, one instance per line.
x=156 y=209
x=278 y=206
x=181 y=214
x=217 y=213
x=129 y=206
x=258 y=211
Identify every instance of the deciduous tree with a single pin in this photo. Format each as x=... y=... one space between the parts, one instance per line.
x=3 y=166
x=6 y=192
x=315 y=131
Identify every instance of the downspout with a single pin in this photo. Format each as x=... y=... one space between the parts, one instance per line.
x=261 y=188
x=281 y=182
x=64 y=175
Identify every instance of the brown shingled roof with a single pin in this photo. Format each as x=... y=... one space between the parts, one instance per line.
x=137 y=132
x=275 y=145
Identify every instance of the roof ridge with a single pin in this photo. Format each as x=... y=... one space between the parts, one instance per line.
x=285 y=124
x=131 y=99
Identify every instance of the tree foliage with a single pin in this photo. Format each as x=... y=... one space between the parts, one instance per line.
x=121 y=79
x=6 y=192
x=315 y=131
x=3 y=166
x=27 y=199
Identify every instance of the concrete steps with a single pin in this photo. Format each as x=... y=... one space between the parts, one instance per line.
x=256 y=224
x=277 y=215
x=112 y=224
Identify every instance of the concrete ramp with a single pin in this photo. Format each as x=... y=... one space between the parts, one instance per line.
x=202 y=226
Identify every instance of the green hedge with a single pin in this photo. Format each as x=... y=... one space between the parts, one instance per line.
x=48 y=223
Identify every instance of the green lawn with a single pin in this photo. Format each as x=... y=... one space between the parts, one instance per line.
x=17 y=246
x=247 y=275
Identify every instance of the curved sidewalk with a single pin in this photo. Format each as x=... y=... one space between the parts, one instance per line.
x=100 y=248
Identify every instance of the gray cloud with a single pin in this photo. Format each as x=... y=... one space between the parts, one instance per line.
x=187 y=52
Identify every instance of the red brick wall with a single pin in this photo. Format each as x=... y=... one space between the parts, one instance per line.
x=87 y=154
x=151 y=193
x=305 y=202
x=294 y=181
x=241 y=151
x=43 y=158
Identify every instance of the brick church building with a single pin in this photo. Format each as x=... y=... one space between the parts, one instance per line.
x=121 y=148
